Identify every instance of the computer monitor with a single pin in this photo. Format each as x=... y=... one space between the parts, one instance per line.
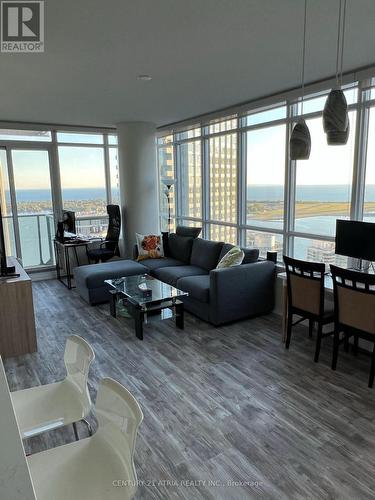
x=355 y=239
x=69 y=221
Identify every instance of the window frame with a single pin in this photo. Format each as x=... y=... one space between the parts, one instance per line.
x=362 y=107
x=52 y=148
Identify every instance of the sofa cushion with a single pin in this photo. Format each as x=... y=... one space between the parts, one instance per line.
x=198 y=287
x=205 y=253
x=153 y=264
x=180 y=247
x=171 y=275
x=188 y=231
x=93 y=276
x=251 y=254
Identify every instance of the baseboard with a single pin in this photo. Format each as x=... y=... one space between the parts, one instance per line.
x=42 y=275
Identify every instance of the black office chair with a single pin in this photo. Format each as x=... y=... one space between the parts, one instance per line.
x=109 y=247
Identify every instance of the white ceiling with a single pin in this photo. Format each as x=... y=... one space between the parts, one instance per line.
x=202 y=54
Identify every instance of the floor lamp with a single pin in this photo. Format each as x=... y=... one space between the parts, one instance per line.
x=169 y=183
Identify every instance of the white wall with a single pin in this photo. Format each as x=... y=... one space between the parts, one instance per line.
x=138 y=181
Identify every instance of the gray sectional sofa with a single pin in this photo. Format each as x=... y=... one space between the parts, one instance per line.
x=215 y=295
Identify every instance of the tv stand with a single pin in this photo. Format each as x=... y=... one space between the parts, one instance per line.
x=17 y=320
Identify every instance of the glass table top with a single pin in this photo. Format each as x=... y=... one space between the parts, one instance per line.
x=133 y=287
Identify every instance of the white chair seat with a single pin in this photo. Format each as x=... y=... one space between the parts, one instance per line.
x=100 y=467
x=46 y=407
x=87 y=469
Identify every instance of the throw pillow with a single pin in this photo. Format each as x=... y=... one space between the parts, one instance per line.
x=180 y=247
x=150 y=246
x=188 y=231
x=233 y=258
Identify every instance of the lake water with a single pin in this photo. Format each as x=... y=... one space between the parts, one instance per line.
x=334 y=193
x=315 y=225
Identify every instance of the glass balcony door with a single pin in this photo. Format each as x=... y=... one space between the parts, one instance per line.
x=30 y=204
x=6 y=205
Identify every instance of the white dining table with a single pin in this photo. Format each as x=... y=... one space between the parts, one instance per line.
x=15 y=479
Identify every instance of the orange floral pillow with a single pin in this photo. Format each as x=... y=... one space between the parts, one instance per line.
x=150 y=246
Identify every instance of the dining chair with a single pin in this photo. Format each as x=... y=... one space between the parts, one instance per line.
x=96 y=467
x=47 y=407
x=306 y=298
x=354 y=296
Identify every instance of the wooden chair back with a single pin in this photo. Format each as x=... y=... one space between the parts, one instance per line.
x=354 y=295
x=305 y=282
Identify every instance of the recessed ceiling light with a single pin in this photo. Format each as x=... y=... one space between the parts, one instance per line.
x=144 y=78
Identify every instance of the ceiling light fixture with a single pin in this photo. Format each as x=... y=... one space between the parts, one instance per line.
x=300 y=139
x=335 y=113
x=144 y=78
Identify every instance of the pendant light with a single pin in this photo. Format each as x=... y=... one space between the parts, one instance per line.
x=300 y=139
x=335 y=113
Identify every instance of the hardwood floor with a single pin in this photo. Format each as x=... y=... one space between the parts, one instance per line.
x=220 y=404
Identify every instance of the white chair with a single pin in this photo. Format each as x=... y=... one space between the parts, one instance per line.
x=47 y=407
x=98 y=467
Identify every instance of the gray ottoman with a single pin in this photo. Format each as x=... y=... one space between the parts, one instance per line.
x=90 y=279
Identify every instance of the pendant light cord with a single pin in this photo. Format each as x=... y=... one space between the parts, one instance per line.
x=338 y=44
x=343 y=39
x=303 y=56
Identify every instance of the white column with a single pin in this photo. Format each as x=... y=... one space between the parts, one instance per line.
x=138 y=175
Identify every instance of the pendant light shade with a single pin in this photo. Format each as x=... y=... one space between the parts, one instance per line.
x=334 y=118
x=300 y=141
x=335 y=113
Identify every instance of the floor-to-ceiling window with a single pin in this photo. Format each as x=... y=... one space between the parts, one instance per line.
x=43 y=172
x=190 y=179
x=369 y=192
x=114 y=172
x=236 y=180
x=83 y=180
x=34 y=204
x=6 y=204
x=265 y=178
x=323 y=194
x=223 y=175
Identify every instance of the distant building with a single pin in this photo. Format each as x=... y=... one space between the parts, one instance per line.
x=324 y=251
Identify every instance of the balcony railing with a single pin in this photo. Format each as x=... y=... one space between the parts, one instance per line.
x=37 y=232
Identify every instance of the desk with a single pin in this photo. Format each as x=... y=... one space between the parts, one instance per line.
x=62 y=250
x=328 y=287
x=15 y=479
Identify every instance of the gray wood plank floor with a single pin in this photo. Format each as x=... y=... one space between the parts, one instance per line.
x=222 y=404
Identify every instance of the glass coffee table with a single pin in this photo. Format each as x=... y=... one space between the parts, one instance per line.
x=147 y=299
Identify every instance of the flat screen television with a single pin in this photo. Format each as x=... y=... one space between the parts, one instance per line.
x=355 y=239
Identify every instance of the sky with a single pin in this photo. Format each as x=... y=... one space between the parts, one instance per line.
x=329 y=165
x=79 y=167
x=83 y=167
